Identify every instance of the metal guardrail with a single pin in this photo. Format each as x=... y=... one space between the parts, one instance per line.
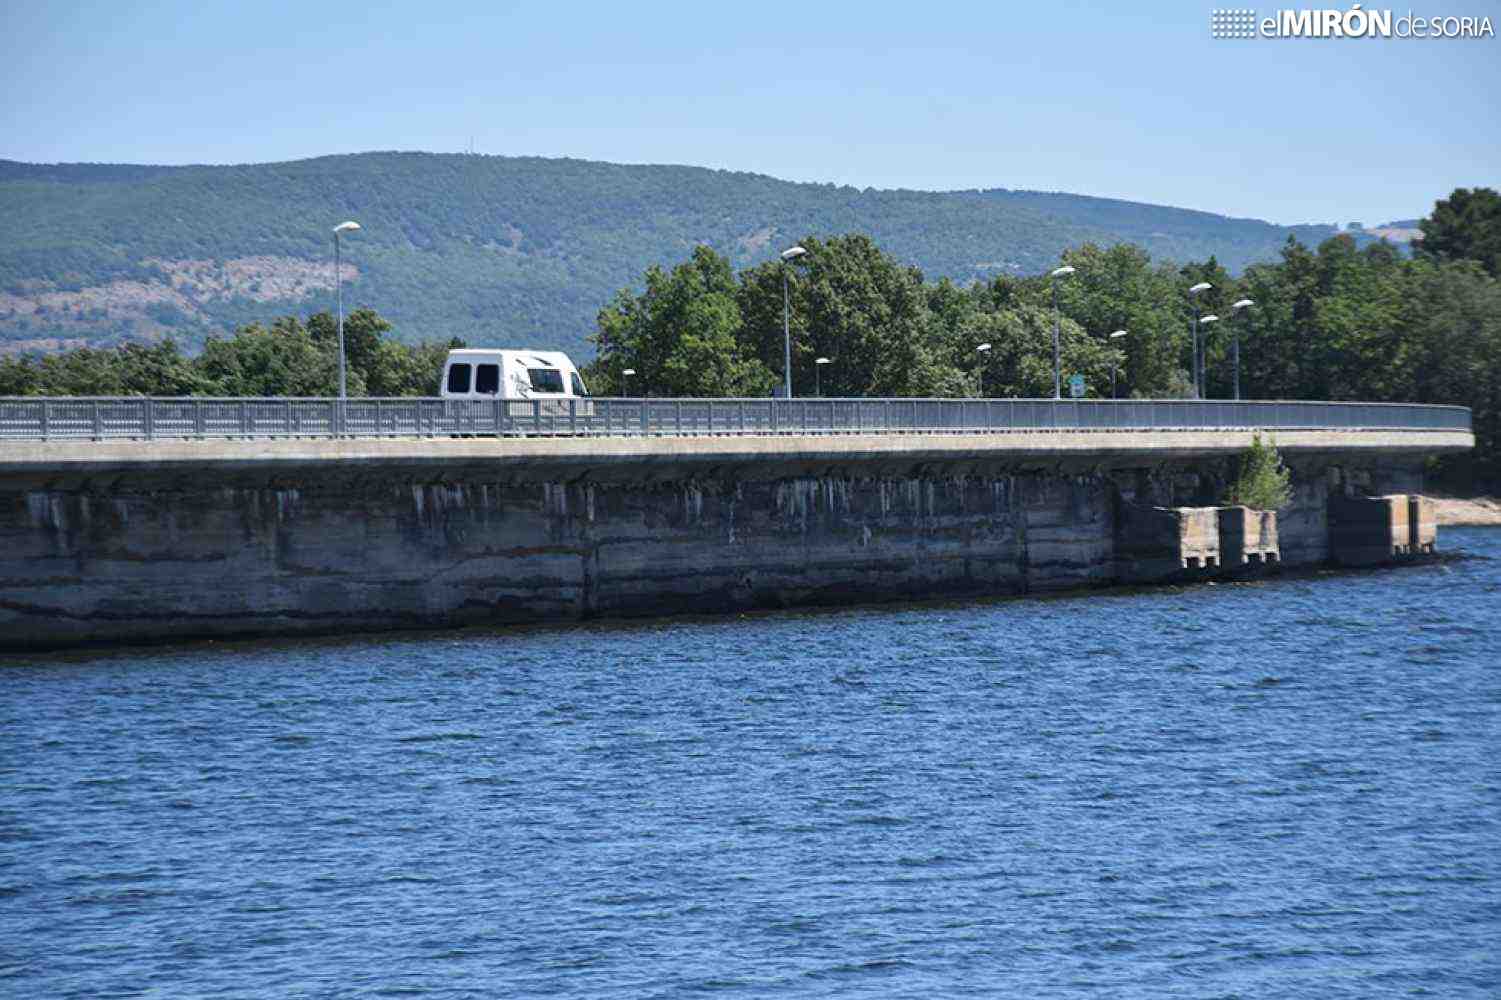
x=143 y=418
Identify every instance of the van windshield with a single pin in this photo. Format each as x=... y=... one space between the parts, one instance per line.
x=578 y=384
x=545 y=379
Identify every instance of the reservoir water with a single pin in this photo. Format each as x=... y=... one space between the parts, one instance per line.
x=1287 y=788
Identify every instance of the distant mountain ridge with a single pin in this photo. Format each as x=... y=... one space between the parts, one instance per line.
x=493 y=249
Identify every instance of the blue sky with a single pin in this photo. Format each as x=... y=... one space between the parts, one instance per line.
x=1136 y=101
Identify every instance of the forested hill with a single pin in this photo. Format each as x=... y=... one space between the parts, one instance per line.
x=492 y=249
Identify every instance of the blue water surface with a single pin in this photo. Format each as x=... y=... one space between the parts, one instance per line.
x=1281 y=789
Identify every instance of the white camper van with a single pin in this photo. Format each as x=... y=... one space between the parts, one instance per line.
x=491 y=373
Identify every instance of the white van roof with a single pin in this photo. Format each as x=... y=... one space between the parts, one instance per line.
x=550 y=359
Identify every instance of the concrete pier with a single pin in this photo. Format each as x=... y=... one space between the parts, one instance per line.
x=1155 y=544
x=120 y=541
x=1422 y=523
x=1369 y=530
x=1248 y=537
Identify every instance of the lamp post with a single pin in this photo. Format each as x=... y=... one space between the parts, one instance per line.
x=1235 y=310
x=343 y=227
x=982 y=350
x=1061 y=272
x=1203 y=388
x=625 y=382
x=788 y=256
x=818 y=364
x=1193 y=297
x=1113 y=366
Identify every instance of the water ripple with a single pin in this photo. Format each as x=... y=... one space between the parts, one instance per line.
x=1281 y=789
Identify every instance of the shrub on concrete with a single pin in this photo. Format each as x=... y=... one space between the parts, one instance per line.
x=1264 y=482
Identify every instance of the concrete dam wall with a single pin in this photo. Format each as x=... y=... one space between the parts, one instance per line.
x=122 y=541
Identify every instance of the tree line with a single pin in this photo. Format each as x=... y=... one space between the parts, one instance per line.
x=1337 y=322
x=290 y=357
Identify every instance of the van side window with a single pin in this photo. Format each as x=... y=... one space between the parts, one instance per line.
x=578 y=384
x=458 y=377
x=487 y=379
x=545 y=379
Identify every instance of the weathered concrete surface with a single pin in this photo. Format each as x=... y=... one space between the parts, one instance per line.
x=109 y=541
x=1155 y=544
x=1370 y=530
x=1422 y=522
x=1248 y=537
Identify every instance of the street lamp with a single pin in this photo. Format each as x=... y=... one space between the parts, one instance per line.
x=343 y=227
x=1114 y=336
x=1061 y=272
x=818 y=364
x=982 y=350
x=625 y=382
x=1203 y=351
x=1235 y=351
x=1193 y=297
x=788 y=256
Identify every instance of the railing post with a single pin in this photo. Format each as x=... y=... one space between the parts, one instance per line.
x=98 y=422
x=46 y=419
x=573 y=415
x=148 y=419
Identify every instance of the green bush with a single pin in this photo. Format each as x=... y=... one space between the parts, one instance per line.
x=1264 y=482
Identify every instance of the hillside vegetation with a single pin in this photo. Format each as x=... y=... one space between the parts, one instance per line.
x=1335 y=322
x=490 y=249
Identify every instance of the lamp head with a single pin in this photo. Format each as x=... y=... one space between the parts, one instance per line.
x=1118 y=333
x=1202 y=286
x=1211 y=318
x=347 y=227
x=793 y=253
x=1061 y=272
x=1243 y=303
x=983 y=348
x=822 y=361
x=629 y=371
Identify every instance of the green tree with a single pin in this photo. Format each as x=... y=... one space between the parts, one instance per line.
x=399 y=369
x=679 y=334
x=1118 y=289
x=1020 y=361
x=857 y=306
x=18 y=376
x=1263 y=483
x=1465 y=226
x=364 y=330
x=283 y=360
x=156 y=370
